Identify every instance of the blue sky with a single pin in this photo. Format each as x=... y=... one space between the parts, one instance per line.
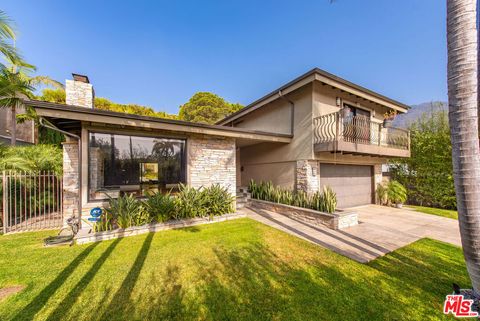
x=159 y=53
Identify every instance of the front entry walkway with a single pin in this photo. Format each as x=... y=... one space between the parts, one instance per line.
x=381 y=230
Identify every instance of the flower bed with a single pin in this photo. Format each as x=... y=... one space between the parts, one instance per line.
x=319 y=208
x=152 y=227
x=336 y=221
x=127 y=211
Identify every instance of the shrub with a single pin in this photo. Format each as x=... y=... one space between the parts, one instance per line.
x=217 y=200
x=188 y=203
x=325 y=201
x=382 y=194
x=428 y=173
x=160 y=207
x=105 y=223
x=127 y=211
x=397 y=193
x=210 y=201
x=35 y=158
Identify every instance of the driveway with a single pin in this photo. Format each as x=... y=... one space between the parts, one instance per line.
x=380 y=230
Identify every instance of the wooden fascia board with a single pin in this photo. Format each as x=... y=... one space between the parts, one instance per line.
x=155 y=125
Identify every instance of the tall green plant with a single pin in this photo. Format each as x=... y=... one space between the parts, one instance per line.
x=428 y=173
x=160 y=207
x=127 y=211
x=325 y=201
x=397 y=193
x=217 y=200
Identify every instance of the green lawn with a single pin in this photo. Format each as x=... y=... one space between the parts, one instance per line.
x=435 y=211
x=236 y=270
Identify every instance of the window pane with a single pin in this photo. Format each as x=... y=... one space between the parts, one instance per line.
x=120 y=164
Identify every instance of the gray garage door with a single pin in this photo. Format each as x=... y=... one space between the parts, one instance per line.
x=351 y=183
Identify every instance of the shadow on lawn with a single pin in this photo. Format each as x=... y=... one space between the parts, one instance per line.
x=39 y=301
x=68 y=302
x=121 y=303
x=254 y=281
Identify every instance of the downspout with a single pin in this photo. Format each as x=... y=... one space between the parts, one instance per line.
x=78 y=138
x=292 y=110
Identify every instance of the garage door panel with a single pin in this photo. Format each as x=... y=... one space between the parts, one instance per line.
x=351 y=183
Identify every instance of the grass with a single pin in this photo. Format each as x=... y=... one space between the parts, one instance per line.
x=435 y=211
x=235 y=270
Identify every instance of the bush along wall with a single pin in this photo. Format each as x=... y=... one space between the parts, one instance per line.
x=189 y=202
x=325 y=201
x=428 y=173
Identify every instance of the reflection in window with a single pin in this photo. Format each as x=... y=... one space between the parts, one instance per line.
x=120 y=164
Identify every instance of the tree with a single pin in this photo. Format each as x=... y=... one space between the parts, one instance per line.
x=17 y=76
x=208 y=108
x=53 y=95
x=428 y=171
x=7 y=38
x=463 y=92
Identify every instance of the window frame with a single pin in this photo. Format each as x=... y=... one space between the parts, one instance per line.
x=129 y=133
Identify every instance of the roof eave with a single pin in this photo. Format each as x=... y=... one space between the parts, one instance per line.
x=323 y=76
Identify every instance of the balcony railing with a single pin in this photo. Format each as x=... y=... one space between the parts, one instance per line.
x=334 y=128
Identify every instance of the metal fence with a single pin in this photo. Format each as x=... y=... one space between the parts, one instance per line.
x=31 y=201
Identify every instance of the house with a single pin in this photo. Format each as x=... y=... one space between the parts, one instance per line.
x=316 y=130
x=27 y=133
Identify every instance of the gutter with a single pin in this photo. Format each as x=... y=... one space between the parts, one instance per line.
x=52 y=127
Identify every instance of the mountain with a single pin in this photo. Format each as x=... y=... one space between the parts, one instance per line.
x=416 y=111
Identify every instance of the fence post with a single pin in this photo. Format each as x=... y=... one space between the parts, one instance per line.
x=4 y=200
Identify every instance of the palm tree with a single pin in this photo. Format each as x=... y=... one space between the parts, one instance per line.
x=7 y=38
x=463 y=118
x=17 y=76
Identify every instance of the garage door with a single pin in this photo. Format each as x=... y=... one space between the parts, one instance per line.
x=351 y=183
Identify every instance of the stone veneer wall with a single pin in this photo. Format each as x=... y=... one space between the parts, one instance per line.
x=70 y=179
x=211 y=160
x=307 y=176
x=377 y=179
x=79 y=93
x=335 y=221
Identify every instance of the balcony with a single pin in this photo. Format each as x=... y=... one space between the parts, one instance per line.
x=359 y=135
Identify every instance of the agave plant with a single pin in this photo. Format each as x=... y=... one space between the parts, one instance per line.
x=217 y=200
x=127 y=211
x=160 y=207
x=188 y=203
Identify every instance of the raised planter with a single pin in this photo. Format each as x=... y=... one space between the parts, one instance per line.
x=154 y=227
x=336 y=221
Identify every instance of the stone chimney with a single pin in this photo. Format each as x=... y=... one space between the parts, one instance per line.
x=79 y=91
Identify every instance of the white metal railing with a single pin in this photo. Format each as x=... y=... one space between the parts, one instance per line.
x=358 y=129
x=31 y=201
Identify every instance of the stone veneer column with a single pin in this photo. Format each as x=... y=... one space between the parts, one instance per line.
x=377 y=179
x=70 y=179
x=307 y=176
x=211 y=160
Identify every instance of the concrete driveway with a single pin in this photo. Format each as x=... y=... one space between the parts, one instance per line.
x=381 y=230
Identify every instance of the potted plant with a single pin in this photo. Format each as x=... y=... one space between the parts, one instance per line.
x=397 y=193
x=388 y=118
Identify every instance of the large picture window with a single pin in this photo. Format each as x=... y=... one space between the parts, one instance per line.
x=120 y=164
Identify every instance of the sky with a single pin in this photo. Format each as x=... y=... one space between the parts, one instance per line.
x=159 y=53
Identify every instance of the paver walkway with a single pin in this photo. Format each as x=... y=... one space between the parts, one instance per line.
x=381 y=230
